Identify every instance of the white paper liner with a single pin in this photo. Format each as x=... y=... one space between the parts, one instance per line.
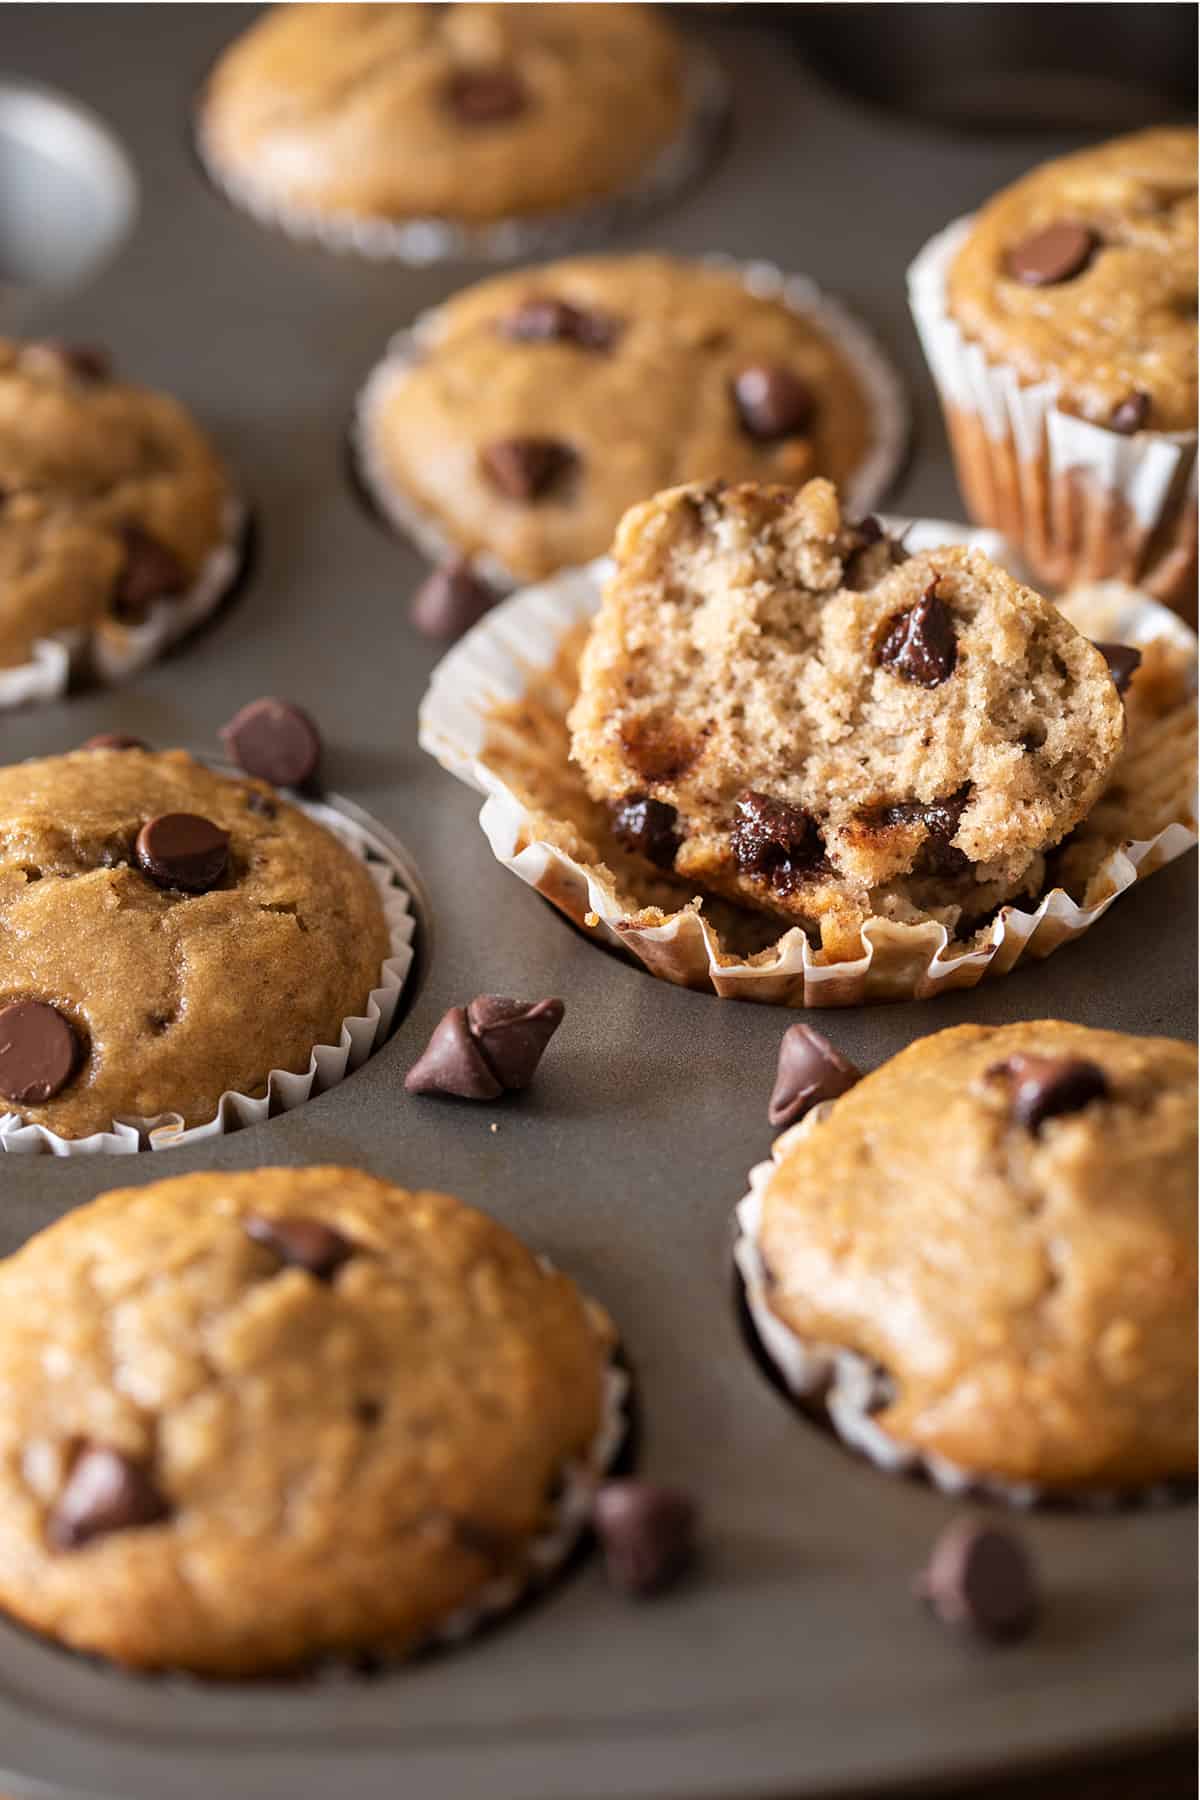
x=884 y=390
x=1153 y=472
x=494 y=663
x=421 y=241
x=328 y=1064
x=113 y=651
x=849 y=1386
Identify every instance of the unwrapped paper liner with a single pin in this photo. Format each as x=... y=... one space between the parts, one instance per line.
x=521 y=639
x=1079 y=501
x=328 y=1064
x=848 y=1387
x=113 y=651
x=862 y=489
x=422 y=241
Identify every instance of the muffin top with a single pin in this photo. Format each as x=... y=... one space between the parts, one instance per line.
x=168 y=934
x=1004 y=1219
x=308 y=1412
x=111 y=498
x=546 y=402
x=786 y=708
x=469 y=112
x=1084 y=274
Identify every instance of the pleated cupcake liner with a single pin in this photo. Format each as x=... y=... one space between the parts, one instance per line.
x=360 y=1034
x=420 y=242
x=524 y=655
x=1080 y=502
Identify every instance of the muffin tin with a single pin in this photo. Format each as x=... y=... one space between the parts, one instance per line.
x=796 y=1662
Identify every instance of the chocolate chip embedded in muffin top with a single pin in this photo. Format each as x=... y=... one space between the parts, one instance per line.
x=809 y=1072
x=779 y=842
x=85 y=362
x=451 y=600
x=114 y=740
x=300 y=1243
x=1057 y=253
x=771 y=401
x=648 y=1533
x=486 y=96
x=526 y=468
x=937 y=855
x=183 y=850
x=1130 y=415
x=274 y=740
x=1046 y=1087
x=1123 y=661
x=980 y=1579
x=544 y=319
x=920 y=644
x=648 y=827
x=105 y=1491
x=151 y=572
x=39 y=1052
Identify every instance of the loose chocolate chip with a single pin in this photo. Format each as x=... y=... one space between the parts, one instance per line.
x=1130 y=414
x=38 y=1052
x=151 y=572
x=981 y=1580
x=451 y=600
x=810 y=1071
x=486 y=96
x=105 y=1491
x=647 y=827
x=920 y=644
x=452 y=1063
x=512 y=1035
x=1123 y=661
x=86 y=362
x=301 y=1243
x=771 y=401
x=183 y=850
x=1043 y=1087
x=543 y=319
x=648 y=1534
x=114 y=740
x=775 y=840
x=526 y=468
x=1058 y=253
x=937 y=855
x=275 y=741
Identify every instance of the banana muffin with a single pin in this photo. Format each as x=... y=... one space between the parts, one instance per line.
x=783 y=707
x=253 y=1419
x=111 y=499
x=998 y=1227
x=469 y=113
x=537 y=406
x=168 y=934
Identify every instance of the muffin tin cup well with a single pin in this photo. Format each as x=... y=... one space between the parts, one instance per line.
x=1081 y=503
x=863 y=490
x=494 y=716
x=328 y=1064
x=420 y=242
x=112 y=651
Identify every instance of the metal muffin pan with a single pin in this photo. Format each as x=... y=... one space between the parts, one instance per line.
x=796 y=1662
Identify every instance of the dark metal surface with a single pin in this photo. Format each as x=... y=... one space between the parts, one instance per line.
x=798 y=1663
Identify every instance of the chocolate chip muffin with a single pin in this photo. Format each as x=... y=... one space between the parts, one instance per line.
x=308 y=1413
x=467 y=113
x=168 y=934
x=1000 y=1225
x=783 y=707
x=111 y=499
x=536 y=407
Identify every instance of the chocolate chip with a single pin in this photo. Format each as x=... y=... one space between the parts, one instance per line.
x=981 y=1580
x=452 y=1063
x=1043 y=1087
x=810 y=1070
x=262 y=804
x=647 y=827
x=1123 y=661
x=1057 y=253
x=183 y=850
x=478 y=1051
x=868 y=531
x=526 y=468
x=451 y=600
x=775 y=840
x=937 y=855
x=543 y=319
x=105 y=1491
x=920 y=644
x=38 y=1052
x=771 y=401
x=301 y=1243
x=85 y=362
x=151 y=572
x=275 y=741
x=114 y=740
x=486 y=96
x=1130 y=414
x=648 y=1534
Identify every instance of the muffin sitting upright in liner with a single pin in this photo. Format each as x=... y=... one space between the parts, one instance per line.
x=168 y=934
x=1000 y=1225
x=784 y=708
